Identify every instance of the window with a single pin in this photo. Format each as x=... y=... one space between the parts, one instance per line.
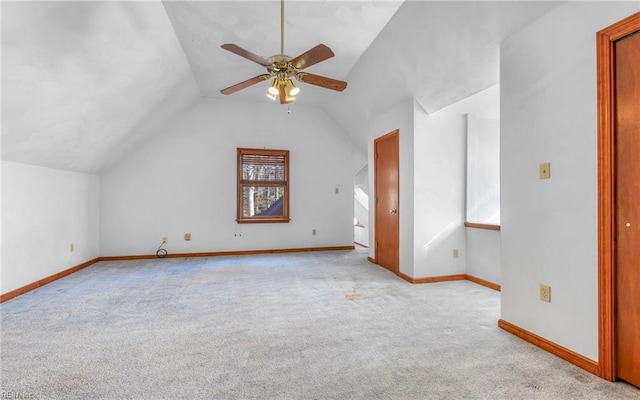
x=263 y=186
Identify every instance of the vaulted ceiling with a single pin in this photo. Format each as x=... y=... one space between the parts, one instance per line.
x=84 y=83
x=347 y=27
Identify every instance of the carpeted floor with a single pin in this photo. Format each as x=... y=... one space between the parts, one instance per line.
x=323 y=325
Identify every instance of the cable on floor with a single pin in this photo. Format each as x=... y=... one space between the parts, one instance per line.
x=161 y=253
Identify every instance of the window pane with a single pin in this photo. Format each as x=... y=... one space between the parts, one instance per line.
x=263 y=172
x=263 y=186
x=263 y=201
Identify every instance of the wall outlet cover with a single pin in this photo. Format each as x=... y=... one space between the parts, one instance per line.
x=545 y=293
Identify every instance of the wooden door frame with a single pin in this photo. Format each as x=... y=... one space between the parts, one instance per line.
x=375 y=189
x=606 y=194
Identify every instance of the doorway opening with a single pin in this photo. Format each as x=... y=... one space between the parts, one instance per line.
x=361 y=207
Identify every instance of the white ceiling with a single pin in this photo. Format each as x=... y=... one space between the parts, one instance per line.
x=84 y=83
x=435 y=52
x=347 y=27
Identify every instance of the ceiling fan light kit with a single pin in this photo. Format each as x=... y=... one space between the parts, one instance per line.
x=284 y=69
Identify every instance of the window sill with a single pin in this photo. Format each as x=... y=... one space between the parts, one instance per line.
x=263 y=220
x=482 y=226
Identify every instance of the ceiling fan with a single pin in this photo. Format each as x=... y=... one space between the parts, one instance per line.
x=283 y=69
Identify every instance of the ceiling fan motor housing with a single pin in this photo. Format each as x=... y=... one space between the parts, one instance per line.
x=281 y=66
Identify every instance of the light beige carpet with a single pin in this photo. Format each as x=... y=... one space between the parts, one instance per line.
x=322 y=325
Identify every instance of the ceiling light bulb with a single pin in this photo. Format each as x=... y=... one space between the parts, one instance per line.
x=290 y=99
x=294 y=90
x=271 y=95
x=273 y=89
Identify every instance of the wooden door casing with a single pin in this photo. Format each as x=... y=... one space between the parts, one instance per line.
x=609 y=167
x=387 y=197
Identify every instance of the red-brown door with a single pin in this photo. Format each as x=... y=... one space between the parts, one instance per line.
x=627 y=195
x=387 y=212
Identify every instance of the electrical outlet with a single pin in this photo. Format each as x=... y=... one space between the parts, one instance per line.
x=71 y=247
x=456 y=253
x=187 y=236
x=545 y=170
x=545 y=293
x=313 y=231
x=165 y=239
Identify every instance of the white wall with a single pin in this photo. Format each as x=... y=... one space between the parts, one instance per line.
x=439 y=193
x=549 y=227
x=483 y=194
x=440 y=169
x=44 y=211
x=185 y=181
x=483 y=170
x=483 y=254
x=400 y=117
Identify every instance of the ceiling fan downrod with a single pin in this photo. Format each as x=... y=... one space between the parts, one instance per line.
x=282 y=27
x=284 y=69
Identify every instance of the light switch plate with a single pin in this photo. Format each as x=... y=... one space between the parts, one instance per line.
x=545 y=170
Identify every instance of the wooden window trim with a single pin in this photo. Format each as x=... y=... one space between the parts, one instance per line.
x=240 y=219
x=482 y=226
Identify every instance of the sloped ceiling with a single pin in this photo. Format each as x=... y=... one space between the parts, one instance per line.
x=436 y=52
x=84 y=83
x=347 y=27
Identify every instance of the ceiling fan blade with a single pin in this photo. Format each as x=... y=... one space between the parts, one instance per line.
x=245 y=84
x=313 y=56
x=246 y=54
x=322 y=81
